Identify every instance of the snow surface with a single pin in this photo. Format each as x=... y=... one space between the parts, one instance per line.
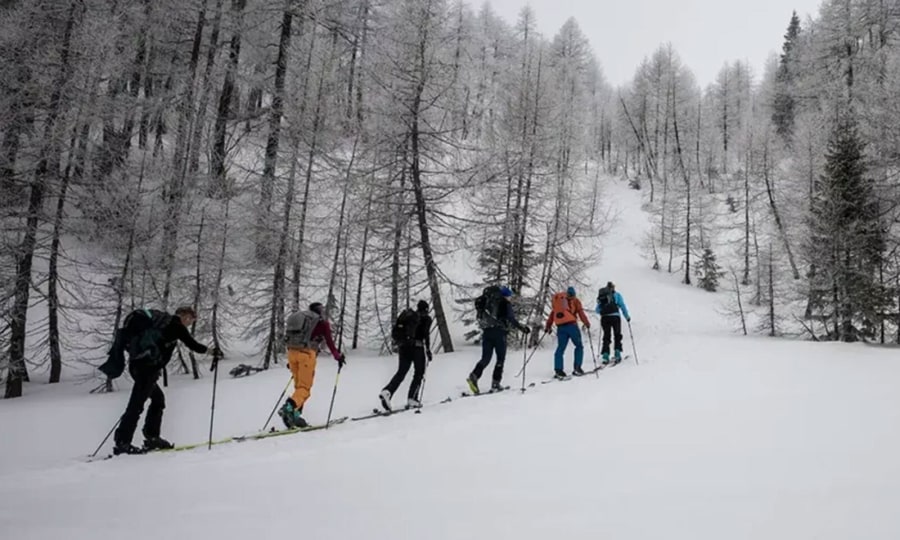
x=712 y=436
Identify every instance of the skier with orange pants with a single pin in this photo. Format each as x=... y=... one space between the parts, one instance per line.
x=304 y=333
x=565 y=312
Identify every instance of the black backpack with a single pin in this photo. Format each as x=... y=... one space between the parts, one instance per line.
x=606 y=299
x=144 y=333
x=404 y=330
x=141 y=337
x=487 y=307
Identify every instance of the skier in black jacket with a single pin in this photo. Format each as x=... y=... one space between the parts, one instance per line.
x=150 y=337
x=495 y=321
x=412 y=353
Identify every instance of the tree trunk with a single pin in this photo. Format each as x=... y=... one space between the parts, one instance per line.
x=277 y=315
x=399 y=224
x=362 y=269
x=746 y=280
x=53 y=269
x=338 y=244
x=219 y=182
x=276 y=111
x=205 y=89
x=310 y=163
x=770 y=191
x=421 y=205
x=687 y=184
x=220 y=268
x=47 y=167
x=771 y=293
x=198 y=287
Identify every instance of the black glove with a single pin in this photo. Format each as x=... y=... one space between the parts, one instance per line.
x=342 y=361
x=524 y=329
x=217 y=355
x=429 y=355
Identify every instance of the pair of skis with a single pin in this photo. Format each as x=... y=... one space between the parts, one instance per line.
x=382 y=412
x=240 y=438
x=600 y=367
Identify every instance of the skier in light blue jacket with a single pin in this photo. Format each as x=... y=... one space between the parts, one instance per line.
x=609 y=304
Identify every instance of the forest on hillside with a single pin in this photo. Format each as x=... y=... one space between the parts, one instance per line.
x=247 y=157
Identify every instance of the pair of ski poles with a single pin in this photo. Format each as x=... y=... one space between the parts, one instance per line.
x=593 y=353
x=212 y=413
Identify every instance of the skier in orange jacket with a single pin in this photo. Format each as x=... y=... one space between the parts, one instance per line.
x=566 y=310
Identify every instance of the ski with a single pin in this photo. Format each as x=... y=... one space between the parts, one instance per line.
x=278 y=432
x=382 y=412
x=489 y=392
x=182 y=447
x=555 y=379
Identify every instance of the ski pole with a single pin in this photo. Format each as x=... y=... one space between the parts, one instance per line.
x=593 y=354
x=108 y=435
x=524 y=361
x=275 y=408
x=212 y=409
x=631 y=334
x=422 y=386
x=522 y=371
x=333 y=394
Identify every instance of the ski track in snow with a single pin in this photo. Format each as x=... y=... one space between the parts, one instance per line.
x=713 y=436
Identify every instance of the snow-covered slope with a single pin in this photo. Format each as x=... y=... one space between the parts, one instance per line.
x=712 y=436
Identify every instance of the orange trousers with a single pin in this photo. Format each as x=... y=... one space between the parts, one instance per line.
x=302 y=363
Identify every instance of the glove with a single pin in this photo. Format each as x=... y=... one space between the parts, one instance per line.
x=525 y=329
x=587 y=326
x=628 y=319
x=547 y=329
x=429 y=355
x=341 y=360
x=217 y=355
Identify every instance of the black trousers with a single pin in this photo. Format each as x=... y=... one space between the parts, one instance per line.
x=611 y=324
x=145 y=387
x=410 y=355
x=493 y=341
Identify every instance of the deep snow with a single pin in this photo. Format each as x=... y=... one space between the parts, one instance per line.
x=712 y=436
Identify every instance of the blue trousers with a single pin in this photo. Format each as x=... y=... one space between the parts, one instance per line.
x=493 y=340
x=564 y=334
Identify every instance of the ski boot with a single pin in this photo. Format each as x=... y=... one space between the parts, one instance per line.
x=577 y=372
x=496 y=386
x=559 y=374
x=157 y=443
x=413 y=403
x=127 y=449
x=618 y=357
x=291 y=416
x=385 y=398
x=605 y=357
x=472 y=380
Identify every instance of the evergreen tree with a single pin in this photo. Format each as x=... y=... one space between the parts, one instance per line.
x=847 y=240
x=783 y=106
x=708 y=271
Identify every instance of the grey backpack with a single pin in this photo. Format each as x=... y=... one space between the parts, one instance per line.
x=298 y=329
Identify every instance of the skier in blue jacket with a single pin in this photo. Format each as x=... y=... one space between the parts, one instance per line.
x=609 y=304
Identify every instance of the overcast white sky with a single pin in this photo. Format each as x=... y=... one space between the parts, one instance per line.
x=706 y=33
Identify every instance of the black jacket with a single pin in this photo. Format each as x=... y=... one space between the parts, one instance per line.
x=423 y=332
x=152 y=341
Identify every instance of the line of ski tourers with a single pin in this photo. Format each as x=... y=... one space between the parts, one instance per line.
x=149 y=338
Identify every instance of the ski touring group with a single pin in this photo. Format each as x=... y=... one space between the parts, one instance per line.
x=149 y=337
